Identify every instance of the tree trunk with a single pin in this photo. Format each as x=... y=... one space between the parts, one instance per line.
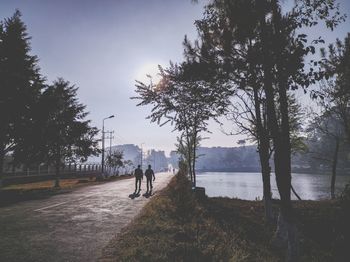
x=194 y=159
x=266 y=171
x=345 y=120
x=2 y=159
x=57 y=169
x=286 y=237
x=189 y=164
x=281 y=142
x=264 y=145
x=189 y=154
x=283 y=174
x=57 y=174
x=283 y=157
x=334 y=167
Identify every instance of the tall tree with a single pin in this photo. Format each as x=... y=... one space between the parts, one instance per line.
x=238 y=30
x=67 y=136
x=249 y=116
x=20 y=83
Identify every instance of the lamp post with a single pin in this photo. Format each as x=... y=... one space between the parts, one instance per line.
x=103 y=143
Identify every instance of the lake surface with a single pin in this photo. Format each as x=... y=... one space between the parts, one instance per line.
x=249 y=185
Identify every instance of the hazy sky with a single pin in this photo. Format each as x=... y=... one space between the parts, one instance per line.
x=103 y=46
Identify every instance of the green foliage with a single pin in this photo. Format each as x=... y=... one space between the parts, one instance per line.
x=129 y=165
x=21 y=85
x=183 y=98
x=115 y=160
x=38 y=123
x=335 y=91
x=323 y=133
x=258 y=51
x=67 y=135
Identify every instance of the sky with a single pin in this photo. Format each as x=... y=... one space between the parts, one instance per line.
x=104 y=46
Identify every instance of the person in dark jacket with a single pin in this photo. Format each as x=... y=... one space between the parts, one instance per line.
x=149 y=175
x=138 y=177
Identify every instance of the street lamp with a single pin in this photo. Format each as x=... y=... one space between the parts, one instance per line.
x=103 y=142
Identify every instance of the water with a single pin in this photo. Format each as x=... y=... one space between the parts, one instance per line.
x=249 y=185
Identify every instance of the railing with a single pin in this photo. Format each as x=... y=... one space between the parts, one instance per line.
x=49 y=170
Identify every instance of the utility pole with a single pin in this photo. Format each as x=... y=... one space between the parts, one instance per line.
x=110 y=137
x=110 y=142
x=103 y=142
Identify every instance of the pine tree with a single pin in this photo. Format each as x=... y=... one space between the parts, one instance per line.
x=20 y=83
x=67 y=136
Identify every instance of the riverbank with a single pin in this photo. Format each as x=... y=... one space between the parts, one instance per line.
x=175 y=226
x=39 y=190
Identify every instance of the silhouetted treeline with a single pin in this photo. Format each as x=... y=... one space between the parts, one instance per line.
x=230 y=159
x=246 y=159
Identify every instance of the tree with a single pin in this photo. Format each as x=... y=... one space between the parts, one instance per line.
x=335 y=91
x=328 y=135
x=181 y=98
x=248 y=114
x=67 y=136
x=129 y=166
x=115 y=161
x=259 y=33
x=20 y=83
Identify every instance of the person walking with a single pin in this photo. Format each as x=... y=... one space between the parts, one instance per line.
x=149 y=174
x=138 y=177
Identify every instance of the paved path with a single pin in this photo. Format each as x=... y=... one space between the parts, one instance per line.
x=70 y=227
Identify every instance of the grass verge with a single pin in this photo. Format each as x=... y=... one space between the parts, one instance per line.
x=175 y=226
x=38 y=190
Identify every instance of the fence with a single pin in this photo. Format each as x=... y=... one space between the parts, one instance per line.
x=49 y=170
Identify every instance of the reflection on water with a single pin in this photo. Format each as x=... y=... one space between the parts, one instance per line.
x=249 y=185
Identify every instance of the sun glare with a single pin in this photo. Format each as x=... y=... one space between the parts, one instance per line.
x=148 y=71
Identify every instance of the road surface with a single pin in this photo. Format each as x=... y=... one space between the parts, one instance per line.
x=70 y=227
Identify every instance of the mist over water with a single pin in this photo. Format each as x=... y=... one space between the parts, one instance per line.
x=249 y=185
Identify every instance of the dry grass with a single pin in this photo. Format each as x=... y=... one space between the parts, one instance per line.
x=38 y=190
x=64 y=184
x=175 y=226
